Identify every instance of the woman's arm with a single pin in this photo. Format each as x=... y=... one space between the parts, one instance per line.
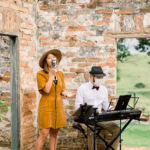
x=68 y=94
x=48 y=85
x=64 y=93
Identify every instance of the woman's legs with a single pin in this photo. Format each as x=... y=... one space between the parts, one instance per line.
x=53 y=138
x=40 y=141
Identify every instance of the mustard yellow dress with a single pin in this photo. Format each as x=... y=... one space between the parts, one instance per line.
x=51 y=112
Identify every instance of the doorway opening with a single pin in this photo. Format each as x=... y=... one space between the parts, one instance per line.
x=9 y=91
x=133 y=71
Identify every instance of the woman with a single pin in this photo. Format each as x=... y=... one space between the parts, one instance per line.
x=51 y=111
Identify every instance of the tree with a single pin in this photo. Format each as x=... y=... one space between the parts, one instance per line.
x=123 y=46
x=122 y=54
x=122 y=50
x=143 y=46
x=3 y=107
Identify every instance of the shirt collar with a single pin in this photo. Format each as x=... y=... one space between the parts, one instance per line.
x=90 y=84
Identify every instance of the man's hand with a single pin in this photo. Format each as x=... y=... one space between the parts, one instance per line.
x=112 y=108
x=99 y=111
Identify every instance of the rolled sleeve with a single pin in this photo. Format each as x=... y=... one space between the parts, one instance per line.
x=41 y=81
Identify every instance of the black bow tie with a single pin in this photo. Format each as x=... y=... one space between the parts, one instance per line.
x=95 y=87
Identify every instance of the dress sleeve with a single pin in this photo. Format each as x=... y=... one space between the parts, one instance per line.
x=63 y=82
x=41 y=81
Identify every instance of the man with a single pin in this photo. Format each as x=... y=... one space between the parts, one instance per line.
x=94 y=93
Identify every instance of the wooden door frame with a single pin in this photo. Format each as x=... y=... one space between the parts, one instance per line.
x=15 y=88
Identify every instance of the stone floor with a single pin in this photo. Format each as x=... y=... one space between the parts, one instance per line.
x=133 y=148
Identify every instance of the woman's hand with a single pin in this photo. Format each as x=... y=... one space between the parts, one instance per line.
x=53 y=71
x=70 y=94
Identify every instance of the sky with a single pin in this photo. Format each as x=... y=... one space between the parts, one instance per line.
x=130 y=43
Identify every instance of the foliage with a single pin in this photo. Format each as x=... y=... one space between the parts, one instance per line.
x=118 y=74
x=5 y=107
x=140 y=85
x=122 y=50
x=122 y=54
x=143 y=46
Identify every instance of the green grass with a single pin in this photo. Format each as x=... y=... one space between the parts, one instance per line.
x=137 y=135
x=135 y=70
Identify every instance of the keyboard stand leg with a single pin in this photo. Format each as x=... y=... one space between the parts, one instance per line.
x=90 y=140
x=100 y=137
x=120 y=135
x=109 y=145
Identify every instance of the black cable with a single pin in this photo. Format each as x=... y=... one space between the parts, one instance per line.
x=121 y=122
x=127 y=128
x=130 y=127
x=55 y=81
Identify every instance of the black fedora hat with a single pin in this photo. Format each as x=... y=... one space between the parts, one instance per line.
x=97 y=71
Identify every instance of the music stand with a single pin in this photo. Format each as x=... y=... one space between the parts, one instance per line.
x=122 y=102
x=123 y=99
x=84 y=111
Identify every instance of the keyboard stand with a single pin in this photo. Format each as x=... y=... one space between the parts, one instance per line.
x=108 y=145
x=83 y=117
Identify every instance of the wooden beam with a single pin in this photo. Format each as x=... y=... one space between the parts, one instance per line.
x=125 y=36
x=10 y=34
x=15 y=97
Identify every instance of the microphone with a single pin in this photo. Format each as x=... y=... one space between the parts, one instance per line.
x=54 y=63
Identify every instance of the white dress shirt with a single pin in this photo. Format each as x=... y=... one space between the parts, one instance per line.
x=98 y=98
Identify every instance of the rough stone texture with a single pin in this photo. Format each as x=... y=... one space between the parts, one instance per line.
x=5 y=124
x=19 y=17
x=82 y=30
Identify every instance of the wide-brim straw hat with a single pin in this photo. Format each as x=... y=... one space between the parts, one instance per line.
x=45 y=53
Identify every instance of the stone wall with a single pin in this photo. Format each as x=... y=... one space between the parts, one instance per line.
x=19 y=17
x=85 y=31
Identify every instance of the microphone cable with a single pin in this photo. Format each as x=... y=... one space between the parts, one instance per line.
x=55 y=81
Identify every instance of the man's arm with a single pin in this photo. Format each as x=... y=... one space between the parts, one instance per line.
x=79 y=98
x=105 y=103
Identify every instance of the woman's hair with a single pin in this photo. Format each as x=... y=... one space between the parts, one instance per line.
x=46 y=70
